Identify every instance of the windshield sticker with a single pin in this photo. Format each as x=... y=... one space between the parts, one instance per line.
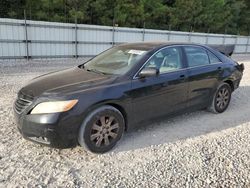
x=137 y=52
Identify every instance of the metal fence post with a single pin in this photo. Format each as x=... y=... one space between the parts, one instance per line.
x=26 y=35
x=143 y=32
x=189 y=37
x=236 y=42
x=76 y=41
x=247 y=44
x=224 y=37
x=113 y=33
x=206 y=39
x=169 y=32
x=207 y=36
x=190 y=34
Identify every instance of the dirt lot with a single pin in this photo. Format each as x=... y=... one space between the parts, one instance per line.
x=199 y=149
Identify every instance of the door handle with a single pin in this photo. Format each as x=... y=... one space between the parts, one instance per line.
x=220 y=69
x=182 y=77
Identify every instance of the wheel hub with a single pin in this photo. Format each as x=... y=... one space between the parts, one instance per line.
x=222 y=98
x=104 y=130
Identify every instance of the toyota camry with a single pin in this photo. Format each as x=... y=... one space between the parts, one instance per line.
x=94 y=103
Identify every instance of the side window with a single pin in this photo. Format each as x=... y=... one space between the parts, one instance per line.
x=196 y=56
x=213 y=58
x=166 y=60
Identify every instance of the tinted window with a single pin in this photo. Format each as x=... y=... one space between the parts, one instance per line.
x=213 y=58
x=166 y=60
x=196 y=56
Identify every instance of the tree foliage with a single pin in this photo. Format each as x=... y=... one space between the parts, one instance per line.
x=219 y=16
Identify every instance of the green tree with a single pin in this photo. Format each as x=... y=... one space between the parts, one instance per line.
x=234 y=9
x=156 y=14
x=244 y=20
x=102 y=12
x=199 y=15
x=184 y=15
x=212 y=18
x=129 y=13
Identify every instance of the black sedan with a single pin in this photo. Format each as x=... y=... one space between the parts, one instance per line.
x=94 y=103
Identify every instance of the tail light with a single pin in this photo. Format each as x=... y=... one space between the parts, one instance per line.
x=240 y=67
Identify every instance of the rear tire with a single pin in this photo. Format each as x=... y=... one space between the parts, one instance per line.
x=101 y=129
x=221 y=99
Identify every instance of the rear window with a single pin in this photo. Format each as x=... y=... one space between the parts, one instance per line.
x=213 y=58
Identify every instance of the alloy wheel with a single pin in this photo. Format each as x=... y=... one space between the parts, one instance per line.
x=104 y=131
x=222 y=98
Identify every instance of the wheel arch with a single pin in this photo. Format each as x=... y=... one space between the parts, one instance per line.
x=122 y=110
x=230 y=83
x=109 y=103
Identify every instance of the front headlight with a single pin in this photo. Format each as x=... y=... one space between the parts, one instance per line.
x=53 y=107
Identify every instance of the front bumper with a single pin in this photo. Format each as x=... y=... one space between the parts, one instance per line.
x=48 y=129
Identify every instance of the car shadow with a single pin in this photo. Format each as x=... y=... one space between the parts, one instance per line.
x=189 y=125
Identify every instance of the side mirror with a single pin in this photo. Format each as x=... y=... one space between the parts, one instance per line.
x=148 y=72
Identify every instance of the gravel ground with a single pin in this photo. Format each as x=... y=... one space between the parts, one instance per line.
x=198 y=149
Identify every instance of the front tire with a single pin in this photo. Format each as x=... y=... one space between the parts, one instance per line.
x=101 y=129
x=221 y=99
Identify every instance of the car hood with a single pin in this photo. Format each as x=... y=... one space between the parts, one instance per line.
x=62 y=82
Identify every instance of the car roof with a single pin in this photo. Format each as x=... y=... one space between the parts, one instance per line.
x=153 y=45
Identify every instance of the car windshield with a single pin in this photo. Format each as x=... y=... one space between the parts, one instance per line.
x=118 y=60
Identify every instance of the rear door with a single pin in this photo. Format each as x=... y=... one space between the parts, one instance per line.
x=162 y=94
x=204 y=70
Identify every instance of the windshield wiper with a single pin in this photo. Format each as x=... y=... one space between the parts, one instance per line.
x=95 y=71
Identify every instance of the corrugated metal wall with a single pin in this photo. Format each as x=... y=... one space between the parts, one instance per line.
x=37 y=39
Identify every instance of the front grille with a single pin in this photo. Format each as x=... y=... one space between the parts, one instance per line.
x=22 y=102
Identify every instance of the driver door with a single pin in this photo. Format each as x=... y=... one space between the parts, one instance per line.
x=161 y=94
